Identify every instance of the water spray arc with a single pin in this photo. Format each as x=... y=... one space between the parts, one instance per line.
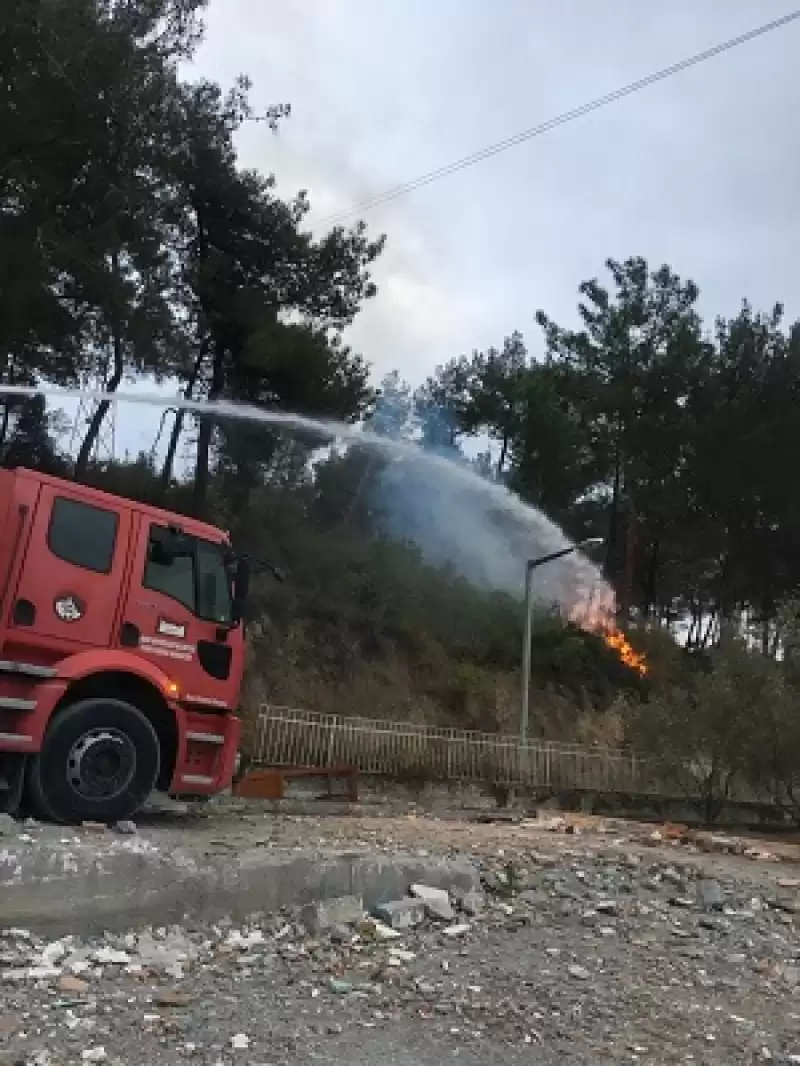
x=482 y=530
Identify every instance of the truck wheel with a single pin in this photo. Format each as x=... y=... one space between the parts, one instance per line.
x=99 y=762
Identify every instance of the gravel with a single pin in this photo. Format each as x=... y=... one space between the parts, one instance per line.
x=589 y=949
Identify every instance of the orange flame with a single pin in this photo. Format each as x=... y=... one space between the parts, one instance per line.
x=597 y=616
x=627 y=653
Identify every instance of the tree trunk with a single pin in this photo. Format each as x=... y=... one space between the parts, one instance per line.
x=726 y=601
x=613 y=521
x=501 y=461
x=200 y=495
x=4 y=423
x=628 y=565
x=180 y=418
x=706 y=637
x=651 y=583
x=204 y=436
x=693 y=634
x=96 y=421
x=6 y=417
x=111 y=385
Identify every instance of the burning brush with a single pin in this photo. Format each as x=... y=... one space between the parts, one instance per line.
x=617 y=640
x=597 y=616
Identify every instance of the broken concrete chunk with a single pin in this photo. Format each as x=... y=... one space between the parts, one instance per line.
x=401 y=955
x=789 y=903
x=341 y=934
x=401 y=913
x=328 y=913
x=341 y=988
x=107 y=956
x=457 y=930
x=8 y=826
x=472 y=903
x=372 y=929
x=94 y=1054
x=244 y=940
x=436 y=900
x=710 y=894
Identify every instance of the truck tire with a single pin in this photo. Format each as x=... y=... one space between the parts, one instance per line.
x=99 y=762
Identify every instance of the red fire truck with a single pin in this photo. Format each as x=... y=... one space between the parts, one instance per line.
x=121 y=651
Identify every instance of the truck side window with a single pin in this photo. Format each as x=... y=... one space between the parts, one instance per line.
x=82 y=534
x=174 y=577
x=213 y=584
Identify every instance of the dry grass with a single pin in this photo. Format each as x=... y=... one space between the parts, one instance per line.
x=390 y=690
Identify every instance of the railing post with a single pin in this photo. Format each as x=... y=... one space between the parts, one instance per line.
x=333 y=725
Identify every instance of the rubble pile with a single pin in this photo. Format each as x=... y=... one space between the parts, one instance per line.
x=640 y=959
x=594 y=945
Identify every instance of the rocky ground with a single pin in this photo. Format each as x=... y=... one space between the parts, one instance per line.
x=592 y=944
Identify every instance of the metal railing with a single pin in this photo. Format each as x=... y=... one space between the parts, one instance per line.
x=285 y=736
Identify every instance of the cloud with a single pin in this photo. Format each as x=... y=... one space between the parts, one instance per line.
x=699 y=171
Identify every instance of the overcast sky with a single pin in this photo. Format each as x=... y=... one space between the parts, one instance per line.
x=699 y=171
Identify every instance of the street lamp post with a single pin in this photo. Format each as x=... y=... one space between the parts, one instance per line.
x=530 y=566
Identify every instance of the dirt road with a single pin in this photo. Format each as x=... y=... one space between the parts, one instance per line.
x=592 y=949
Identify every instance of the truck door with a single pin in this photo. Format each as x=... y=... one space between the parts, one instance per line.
x=72 y=573
x=176 y=615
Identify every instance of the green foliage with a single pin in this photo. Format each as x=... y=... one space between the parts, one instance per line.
x=669 y=443
x=131 y=242
x=726 y=724
x=87 y=276
x=28 y=436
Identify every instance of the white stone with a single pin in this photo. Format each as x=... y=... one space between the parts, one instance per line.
x=244 y=941
x=436 y=900
x=380 y=930
x=111 y=957
x=400 y=955
x=401 y=913
x=459 y=929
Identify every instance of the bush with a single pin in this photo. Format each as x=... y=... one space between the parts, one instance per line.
x=729 y=728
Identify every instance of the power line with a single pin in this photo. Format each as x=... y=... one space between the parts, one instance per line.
x=562 y=119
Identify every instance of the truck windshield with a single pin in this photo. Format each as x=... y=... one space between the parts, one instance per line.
x=197 y=577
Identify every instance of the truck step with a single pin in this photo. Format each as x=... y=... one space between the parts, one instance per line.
x=11 y=703
x=10 y=666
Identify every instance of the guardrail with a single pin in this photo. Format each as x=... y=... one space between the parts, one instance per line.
x=285 y=736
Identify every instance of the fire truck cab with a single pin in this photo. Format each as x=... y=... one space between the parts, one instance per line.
x=121 y=651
